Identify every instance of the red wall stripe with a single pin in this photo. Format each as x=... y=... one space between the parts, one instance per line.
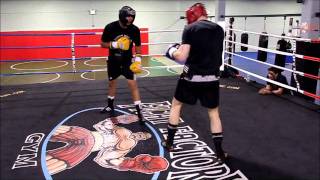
x=65 y=40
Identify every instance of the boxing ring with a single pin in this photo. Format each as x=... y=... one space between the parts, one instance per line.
x=266 y=136
x=307 y=58
x=77 y=63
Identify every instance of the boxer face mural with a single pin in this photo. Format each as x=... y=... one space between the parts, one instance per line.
x=90 y=145
x=111 y=142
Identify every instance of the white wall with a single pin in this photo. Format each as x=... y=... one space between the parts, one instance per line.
x=19 y=15
x=274 y=25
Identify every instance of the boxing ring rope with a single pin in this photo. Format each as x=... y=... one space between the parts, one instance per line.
x=310 y=58
x=277 y=83
x=83 y=71
x=84 y=33
x=70 y=59
x=316 y=40
x=279 y=67
x=73 y=58
x=293 y=54
x=73 y=47
x=76 y=46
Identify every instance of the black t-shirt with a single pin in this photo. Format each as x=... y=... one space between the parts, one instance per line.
x=113 y=31
x=206 y=41
x=281 y=79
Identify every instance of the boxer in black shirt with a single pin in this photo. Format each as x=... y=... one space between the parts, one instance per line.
x=201 y=49
x=119 y=37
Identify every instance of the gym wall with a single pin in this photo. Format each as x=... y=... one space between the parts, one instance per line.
x=35 y=15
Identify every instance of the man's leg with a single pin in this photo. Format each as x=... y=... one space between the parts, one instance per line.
x=173 y=123
x=111 y=94
x=133 y=85
x=216 y=131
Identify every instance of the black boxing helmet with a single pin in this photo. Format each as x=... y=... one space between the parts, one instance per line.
x=124 y=12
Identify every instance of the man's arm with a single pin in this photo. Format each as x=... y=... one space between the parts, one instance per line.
x=105 y=126
x=182 y=53
x=122 y=43
x=110 y=158
x=268 y=87
x=105 y=44
x=266 y=90
x=138 y=49
x=105 y=38
x=283 y=80
x=279 y=91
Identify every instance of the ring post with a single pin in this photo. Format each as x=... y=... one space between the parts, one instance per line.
x=73 y=53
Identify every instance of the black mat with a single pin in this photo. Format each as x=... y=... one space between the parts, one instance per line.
x=267 y=137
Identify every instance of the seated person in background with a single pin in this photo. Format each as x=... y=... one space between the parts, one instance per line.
x=274 y=74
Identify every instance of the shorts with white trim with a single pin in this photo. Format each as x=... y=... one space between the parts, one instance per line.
x=189 y=92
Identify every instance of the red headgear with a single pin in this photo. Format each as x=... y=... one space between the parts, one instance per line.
x=195 y=11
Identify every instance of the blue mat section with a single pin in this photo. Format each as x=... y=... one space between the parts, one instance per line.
x=258 y=68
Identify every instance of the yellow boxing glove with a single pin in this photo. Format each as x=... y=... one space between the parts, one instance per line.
x=122 y=43
x=136 y=66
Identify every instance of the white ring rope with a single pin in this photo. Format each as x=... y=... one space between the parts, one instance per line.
x=273 y=35
x=266 y=49
x=275 y=82
x=106 y=57
x=151 y=43
x=161 y=31
x=147 y=55
x=162 y=67
x=264 y=78
x=99 y=70
x=152 y=31
x=152 y=67
x=159 y=43
x=279 y=67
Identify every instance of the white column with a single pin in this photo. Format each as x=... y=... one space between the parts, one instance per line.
x=309 y=21
x=220 y=8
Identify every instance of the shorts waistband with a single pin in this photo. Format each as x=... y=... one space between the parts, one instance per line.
x=200 y=78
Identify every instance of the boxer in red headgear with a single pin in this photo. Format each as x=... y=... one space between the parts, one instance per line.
x=201 y=49
x=195 y=12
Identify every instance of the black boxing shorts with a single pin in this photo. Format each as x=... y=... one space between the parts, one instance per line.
x=189 y=92
x=119 y=66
